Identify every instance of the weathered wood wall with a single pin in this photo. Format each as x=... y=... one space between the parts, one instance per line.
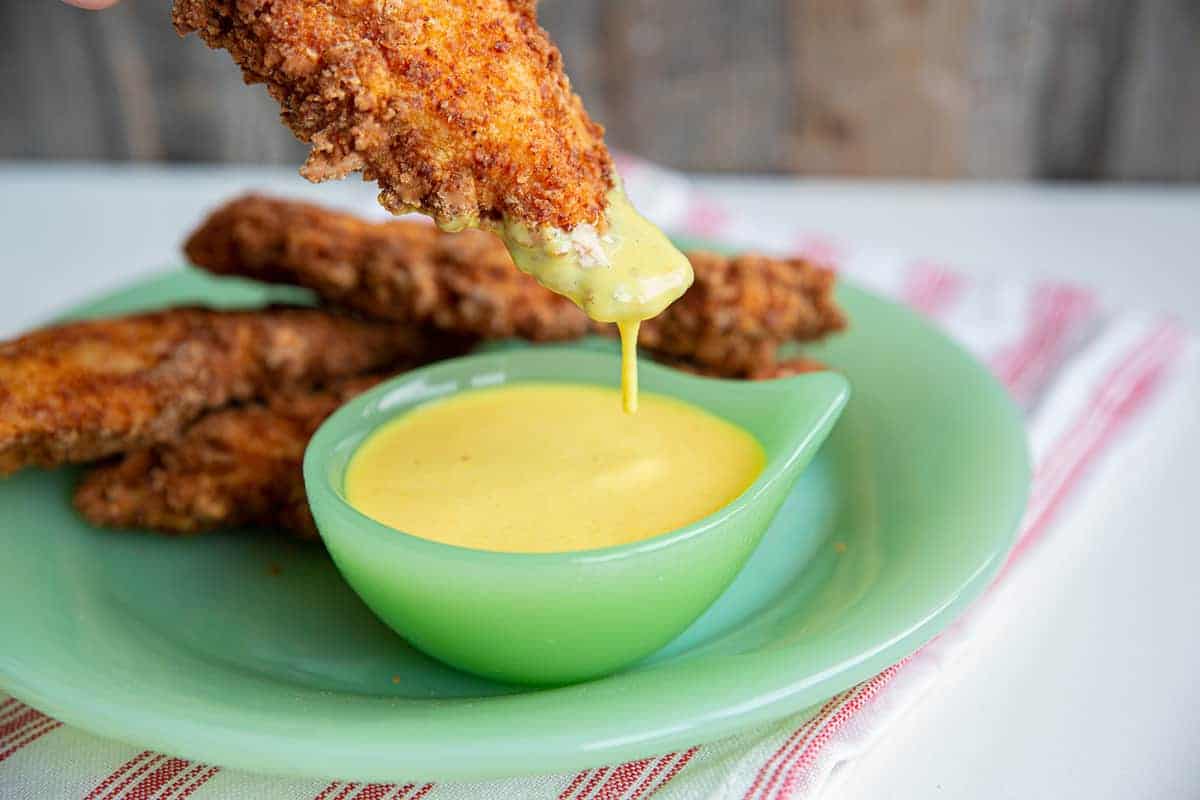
x=1080 y=89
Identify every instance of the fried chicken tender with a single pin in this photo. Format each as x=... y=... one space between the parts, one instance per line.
x=398 y=270
x=241 y=466
x=741 y=309
x=732 y=320
x=458 y=108
x=786 y=368
x=85 y=390
x=234 y=467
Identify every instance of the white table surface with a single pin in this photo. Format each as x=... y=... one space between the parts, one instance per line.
x=1082 y=681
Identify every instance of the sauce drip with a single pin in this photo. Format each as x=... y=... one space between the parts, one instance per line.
x=626 y=273
x=629 y=376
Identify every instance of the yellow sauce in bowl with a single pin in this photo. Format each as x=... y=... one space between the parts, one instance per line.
x=538 y=468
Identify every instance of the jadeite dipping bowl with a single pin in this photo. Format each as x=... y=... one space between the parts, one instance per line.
x=556 y=618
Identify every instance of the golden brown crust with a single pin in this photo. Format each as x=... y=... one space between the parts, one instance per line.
x=458 y=108
x=732 y=320
x=235 y=467
x=787 y=368
x=400 y=270
x=741 y=308
x=85 y=390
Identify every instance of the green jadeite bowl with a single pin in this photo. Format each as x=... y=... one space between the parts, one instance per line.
x=556 y=618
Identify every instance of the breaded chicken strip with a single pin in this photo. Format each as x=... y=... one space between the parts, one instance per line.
x=398 y=270
x=458 y=108
x=732 y=320
x=85 y=390
x=233 y=467
x=741 y=309
x=787 y=368
x=238 y=466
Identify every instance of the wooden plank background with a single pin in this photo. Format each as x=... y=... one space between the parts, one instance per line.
x=1059 y=89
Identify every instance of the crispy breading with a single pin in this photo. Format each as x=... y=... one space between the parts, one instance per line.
x=458 y=108
x=733 y=319
x=241 y=466
x=741 y=309
x=786 y=368
x=398 y=270
x=235 y=467
x=85 y=390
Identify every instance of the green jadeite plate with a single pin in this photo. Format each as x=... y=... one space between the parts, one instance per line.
x=248 y=650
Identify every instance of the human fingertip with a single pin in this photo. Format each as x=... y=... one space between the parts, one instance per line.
x=92 y=5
